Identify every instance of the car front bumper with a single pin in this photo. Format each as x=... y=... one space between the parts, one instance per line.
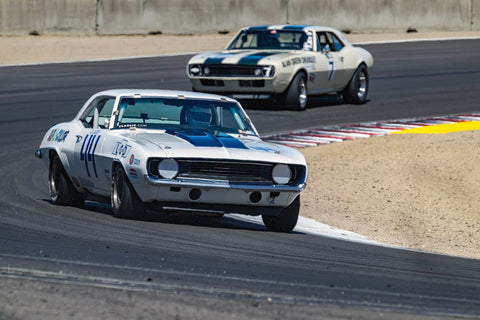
x=259 y=88
x=197 y=193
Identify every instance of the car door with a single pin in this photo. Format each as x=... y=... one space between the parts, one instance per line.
x=331 y=47
x=90 y=167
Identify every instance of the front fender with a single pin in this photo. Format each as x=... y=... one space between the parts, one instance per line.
x=283 y=81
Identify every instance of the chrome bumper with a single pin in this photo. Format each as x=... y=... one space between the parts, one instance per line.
x=200 y=183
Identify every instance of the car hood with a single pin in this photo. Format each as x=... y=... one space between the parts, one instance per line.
x=244 y=57
x=194 y=143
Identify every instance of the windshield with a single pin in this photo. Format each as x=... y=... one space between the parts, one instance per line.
x=174 y=113
x=269 y=39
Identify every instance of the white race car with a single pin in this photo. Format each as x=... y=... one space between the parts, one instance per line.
x=286 y=63
x=172 y=150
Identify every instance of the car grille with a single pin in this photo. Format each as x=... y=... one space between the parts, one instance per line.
x=231 y=70
x=231 y=171
x=221 y=170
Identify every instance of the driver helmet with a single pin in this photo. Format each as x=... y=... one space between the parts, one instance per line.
x=199 y=116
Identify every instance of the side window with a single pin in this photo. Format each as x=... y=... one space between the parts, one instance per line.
x=328 y=38
x=98 y=112
x=105 y=112
x=335 y=44
x=322 y=41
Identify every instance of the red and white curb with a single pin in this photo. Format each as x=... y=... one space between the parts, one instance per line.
x=329 y=134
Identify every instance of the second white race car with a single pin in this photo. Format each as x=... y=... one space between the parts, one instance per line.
x=286 y=63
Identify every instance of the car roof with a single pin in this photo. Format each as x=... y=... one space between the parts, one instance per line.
x=162 y=93
x=290 y=27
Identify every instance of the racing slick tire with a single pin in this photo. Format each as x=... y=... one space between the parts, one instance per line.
x=62 y=191
x=296 y=96
x=125 y=202
x=357 y=89
x=286 y=220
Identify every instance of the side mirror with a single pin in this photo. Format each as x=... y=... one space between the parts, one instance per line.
x=326 y=49
x=106 y=123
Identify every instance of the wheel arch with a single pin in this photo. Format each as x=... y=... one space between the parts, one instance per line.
x=294 y=74
x=52 y=152
x=302 y=70
x=116 y=163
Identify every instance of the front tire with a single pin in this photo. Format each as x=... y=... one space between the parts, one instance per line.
x=296 y=96
x=62 y=191
x=356 y=90
x=286 y=220
x=125 y=202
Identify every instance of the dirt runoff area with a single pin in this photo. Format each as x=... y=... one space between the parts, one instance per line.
x=418 y=191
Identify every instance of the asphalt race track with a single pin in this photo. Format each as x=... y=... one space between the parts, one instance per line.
x=223 y=267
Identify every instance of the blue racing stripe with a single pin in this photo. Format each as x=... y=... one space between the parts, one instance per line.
x=253 y=59
x=298 y=27
x=258 y=28
x=200 y=138
x=231 y=142
x=82 y=155
x=87 y=153
x=93 y=157
x=218 y=58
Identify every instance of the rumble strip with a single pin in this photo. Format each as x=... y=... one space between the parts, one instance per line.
x=329 y=134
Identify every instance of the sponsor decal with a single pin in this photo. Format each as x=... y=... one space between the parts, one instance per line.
x=87 y=152
x=58 y=135
x=122 y=149
x=132 y=125
x=298 y=60
x=134 y=161
x=133 y=173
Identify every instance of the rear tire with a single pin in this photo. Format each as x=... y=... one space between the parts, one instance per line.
x=125 y=202
x=286 y=220
x=356 y=90
x=296 y=96
x=62 y=191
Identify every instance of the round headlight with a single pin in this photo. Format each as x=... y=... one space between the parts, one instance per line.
x=206 y=70
x=195 y=70
x=257 y=72
x=168 y=168
x=281 y=174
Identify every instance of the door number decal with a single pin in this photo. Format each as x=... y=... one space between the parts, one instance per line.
x=87 y=153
